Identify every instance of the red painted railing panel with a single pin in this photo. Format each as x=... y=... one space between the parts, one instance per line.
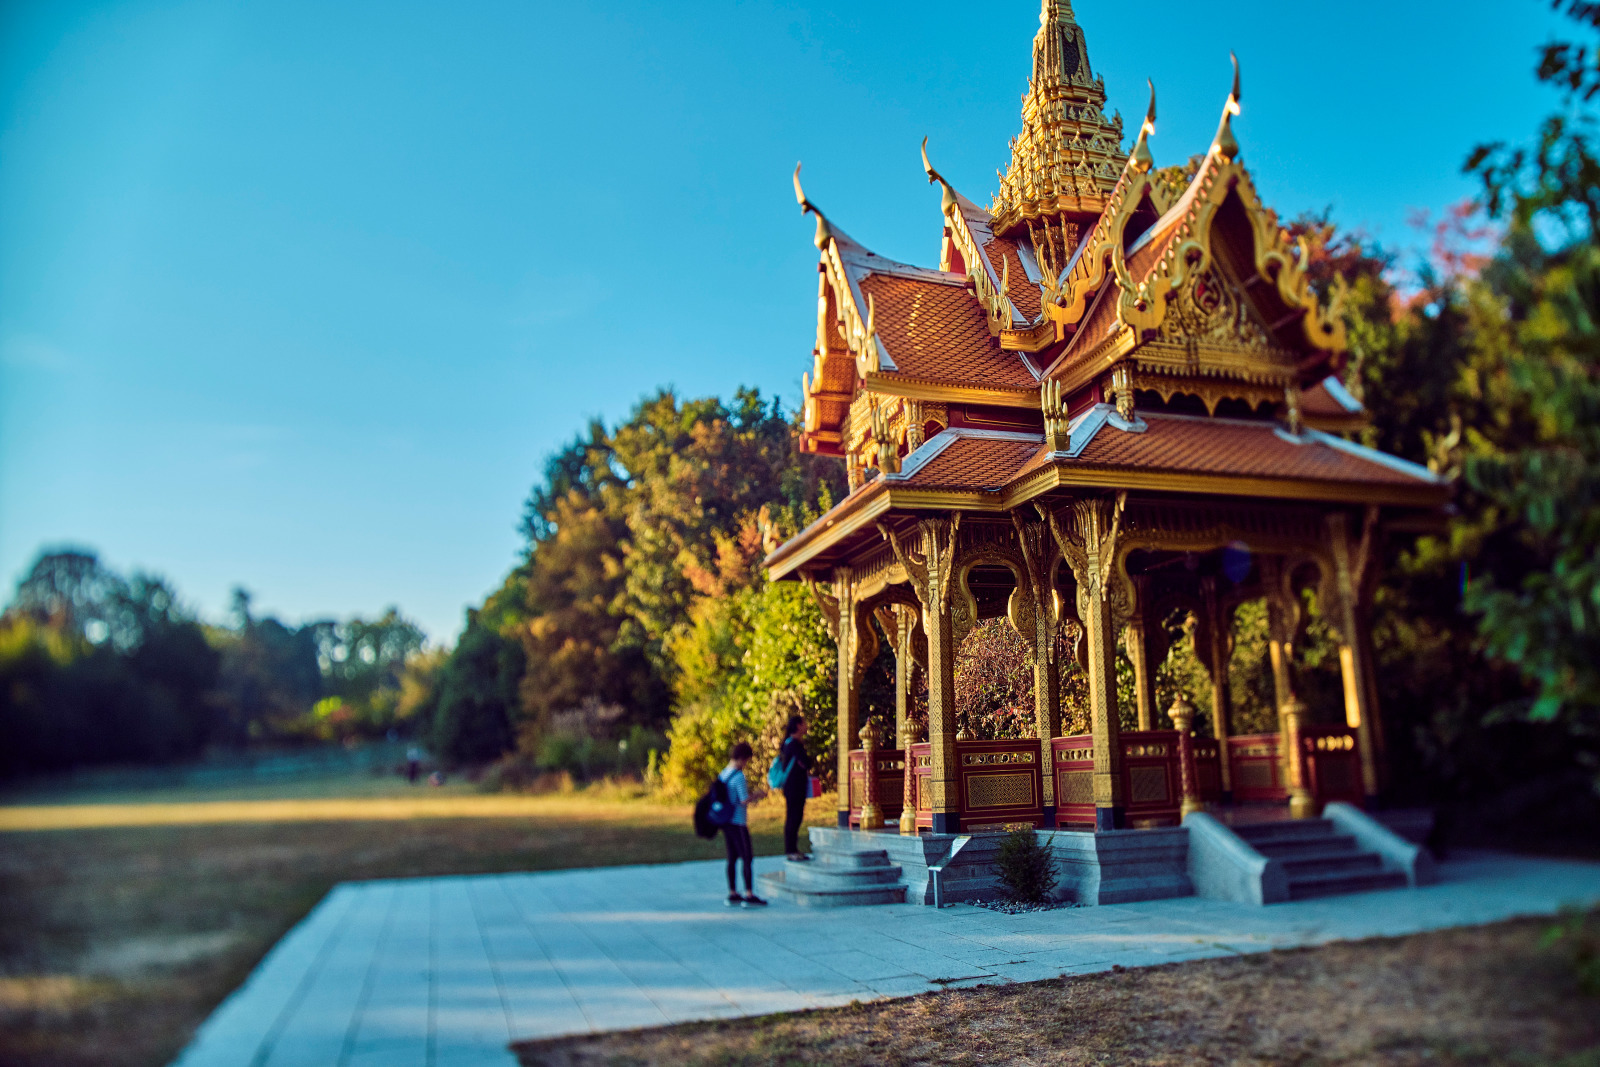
x=1333 y=764
x=1000 y=784
x=1208 y=769
x=1072 y=761
x=1151 y=791
x=922 y=774
x=891 y=782
x=1257 y=774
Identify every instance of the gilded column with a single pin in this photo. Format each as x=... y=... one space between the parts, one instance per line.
x=1182 y=715
x=849 y=694
x=1215 y=656
x=1138 y=644
x=1034 y=538
x=871 y=810
x=1090 y=547
x=1350 y=565
x=931 y=576
x=1283 y=621
x=905 y=633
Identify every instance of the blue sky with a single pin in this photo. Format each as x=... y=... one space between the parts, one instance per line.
x=298 y=295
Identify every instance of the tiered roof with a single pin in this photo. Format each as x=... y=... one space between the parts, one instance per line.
x=1153 y=303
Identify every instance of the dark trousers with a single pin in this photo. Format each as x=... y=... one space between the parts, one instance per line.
x=794 y=815
x=739 y=848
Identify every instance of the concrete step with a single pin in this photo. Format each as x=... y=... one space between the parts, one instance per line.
x=1284 y=830
x=1342 y=862
x=855 y=857
x=1296 y=847
x=1327 y=885
x=777 y=884
x=815 y=875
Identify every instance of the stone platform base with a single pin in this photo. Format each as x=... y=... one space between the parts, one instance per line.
x=1112 y=867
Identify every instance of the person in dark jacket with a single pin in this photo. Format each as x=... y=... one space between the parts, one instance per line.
x=796 y=787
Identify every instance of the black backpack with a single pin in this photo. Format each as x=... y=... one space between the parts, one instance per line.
x=714 y=809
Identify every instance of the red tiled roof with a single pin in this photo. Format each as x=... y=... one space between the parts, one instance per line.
x=1231 y=447
x=1318 y=401
x=975 y=463
x=938 y=332
x=1023 y=293
x=1100 y=321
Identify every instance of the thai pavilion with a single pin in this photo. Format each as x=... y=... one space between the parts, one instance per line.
x=1116 y=396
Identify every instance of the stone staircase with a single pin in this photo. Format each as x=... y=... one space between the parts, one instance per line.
x=1319 y=860
x=835 y=877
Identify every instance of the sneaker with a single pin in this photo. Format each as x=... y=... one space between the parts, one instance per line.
x=753 y=901
x=734 y=900
x=799 y=857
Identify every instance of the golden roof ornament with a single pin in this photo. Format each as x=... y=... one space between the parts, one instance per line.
x=824 y=231
x=1224 y=143
x=1141 y=158
x=1068 y=157
x=947 y=198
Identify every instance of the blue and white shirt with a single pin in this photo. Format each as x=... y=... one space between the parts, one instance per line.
x=738 y=792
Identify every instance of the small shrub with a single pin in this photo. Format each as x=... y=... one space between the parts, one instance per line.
x=1578 y=932
x=1026 y=868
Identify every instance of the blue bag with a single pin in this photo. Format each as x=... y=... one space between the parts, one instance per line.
x=778 y=773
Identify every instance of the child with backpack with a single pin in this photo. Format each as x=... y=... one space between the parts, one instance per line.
x=729 y=797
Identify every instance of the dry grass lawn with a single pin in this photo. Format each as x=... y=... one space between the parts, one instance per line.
x=125 y=919
x=1484 y=996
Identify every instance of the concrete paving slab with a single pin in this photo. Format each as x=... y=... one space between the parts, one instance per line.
x=445 y=972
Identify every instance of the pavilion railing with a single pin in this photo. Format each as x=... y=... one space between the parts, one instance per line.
x=922 y=773
x=1151 y=791
x=1001 y=784
x=889 y=765
x=1072 y=760
x=1257 y=771
x=1150 y=778
x=1208 y=769
x=1332 y=764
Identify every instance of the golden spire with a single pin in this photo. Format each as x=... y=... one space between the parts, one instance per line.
x=1224 y=143
x=1069 y=155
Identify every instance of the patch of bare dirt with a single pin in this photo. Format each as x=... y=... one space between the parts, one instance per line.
x=1484 y=996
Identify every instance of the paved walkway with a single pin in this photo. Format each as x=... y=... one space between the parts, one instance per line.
x=444 y=972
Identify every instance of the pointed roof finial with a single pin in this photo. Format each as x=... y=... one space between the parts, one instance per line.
x=824 y=231
x=947 y=201
x=1069 y=154
x=1224 y=143
x=1141 y=158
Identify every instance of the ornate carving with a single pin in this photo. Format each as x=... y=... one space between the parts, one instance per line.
x=986 y=759
x=1208 y=308
x=932 y=571
x=847 y=617
x=826 y=602
x=999 y=791
x=1089 y=545
x=885 y=439
x=1075 y=787
x=1034 y=540
x=1056 y=428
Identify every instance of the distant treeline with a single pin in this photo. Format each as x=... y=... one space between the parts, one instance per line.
x=96 y=667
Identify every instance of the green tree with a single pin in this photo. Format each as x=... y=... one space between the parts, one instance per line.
x=1539 y=608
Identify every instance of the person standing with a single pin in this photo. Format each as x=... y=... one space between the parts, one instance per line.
x=736 y=832
x=796 y=785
